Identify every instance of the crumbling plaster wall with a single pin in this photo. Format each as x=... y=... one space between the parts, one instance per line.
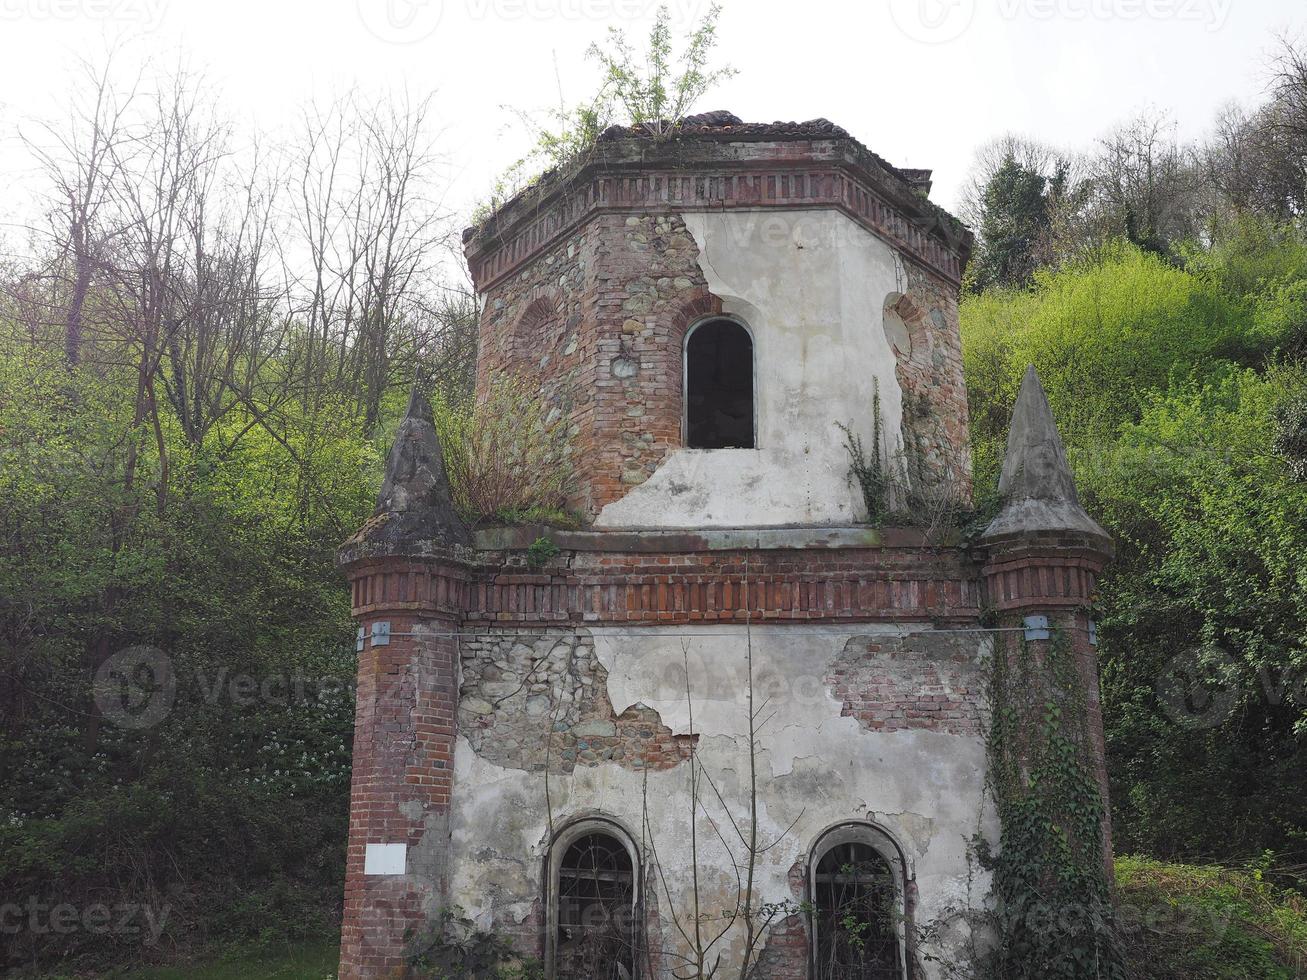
x=811 y=286
x=819 y=763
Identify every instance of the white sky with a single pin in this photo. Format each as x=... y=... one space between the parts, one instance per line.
x=922 y=82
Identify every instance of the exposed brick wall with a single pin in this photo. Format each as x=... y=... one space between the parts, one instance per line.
x=542 y=703
x=1056 y=577
x=790 y=170
x=597 y=321
x=785 y=955
x=810 y=585
x=801 y=585
x=925 y=681
x=400 y=790
x=649 y=290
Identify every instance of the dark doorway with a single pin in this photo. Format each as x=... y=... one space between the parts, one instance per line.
x=596 y=893
x=856 y=909
x=719 y=387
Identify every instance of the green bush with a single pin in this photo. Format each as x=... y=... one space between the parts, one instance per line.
x=225 y=817
x=509 y=456
x=1181 y=922
x=1178 y=409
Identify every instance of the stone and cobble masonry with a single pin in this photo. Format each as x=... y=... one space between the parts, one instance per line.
x=508 y=709
x=537 y=703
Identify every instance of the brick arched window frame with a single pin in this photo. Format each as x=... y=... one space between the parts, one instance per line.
x=904 y=322
x=530 y=330
x=593 y=878
x=697 y=306
x=859 y=870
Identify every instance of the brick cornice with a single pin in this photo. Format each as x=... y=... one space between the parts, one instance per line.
x=798 y=175
x=1042 y=579
x=431 y=587
x=599 y=588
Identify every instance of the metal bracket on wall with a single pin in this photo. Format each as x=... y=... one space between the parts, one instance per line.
x=381 y=633
x=1036 y=627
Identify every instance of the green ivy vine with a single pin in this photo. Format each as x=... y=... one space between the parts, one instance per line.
x=1053 y=902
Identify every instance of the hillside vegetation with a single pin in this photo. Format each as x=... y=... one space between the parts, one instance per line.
x=1182 y=403
x=201 y=364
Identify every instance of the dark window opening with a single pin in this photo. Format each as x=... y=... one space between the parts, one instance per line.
x=596 y=891
x=719 y=387
x=856 y=907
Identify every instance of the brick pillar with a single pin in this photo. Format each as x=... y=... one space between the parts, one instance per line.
x=1055 y=579
x=409 y=584
x=404 y=730
x=1044 y=555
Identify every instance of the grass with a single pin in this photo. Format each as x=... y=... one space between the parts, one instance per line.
x=1182 y=922
x=302 y=963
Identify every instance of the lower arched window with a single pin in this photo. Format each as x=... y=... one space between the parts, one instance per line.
x=857 y=895
x=593 y=915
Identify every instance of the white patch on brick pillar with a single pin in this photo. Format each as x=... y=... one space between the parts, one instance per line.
x=385 y=859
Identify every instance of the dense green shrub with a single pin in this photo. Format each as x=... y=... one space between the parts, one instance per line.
x=1189 y=923
x=1175 y=399
x=224 y=816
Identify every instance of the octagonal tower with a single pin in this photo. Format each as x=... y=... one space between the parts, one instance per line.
x=841 y=276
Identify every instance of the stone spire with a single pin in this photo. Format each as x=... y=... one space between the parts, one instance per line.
x=1037 y=488
x=415 y=511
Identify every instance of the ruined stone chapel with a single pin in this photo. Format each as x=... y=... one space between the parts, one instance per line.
x=738 y=716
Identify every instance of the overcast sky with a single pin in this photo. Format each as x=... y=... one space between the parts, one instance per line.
x=922 y=82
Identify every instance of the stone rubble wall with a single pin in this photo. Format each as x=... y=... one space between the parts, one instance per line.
x=541 y=702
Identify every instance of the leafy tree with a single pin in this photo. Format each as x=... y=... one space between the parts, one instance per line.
x=654 y=89
x=1015 y=221
x=653 y=93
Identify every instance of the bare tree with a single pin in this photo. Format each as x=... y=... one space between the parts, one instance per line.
x=372 y=229
x=1031 y=154
x=1141 y=184
x=1257 y=160
x=80 y=159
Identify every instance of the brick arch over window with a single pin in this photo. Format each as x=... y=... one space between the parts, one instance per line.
x=593 y=902
x=539 y=328
x=905 y=324
x=702 y=305
x=858 y=873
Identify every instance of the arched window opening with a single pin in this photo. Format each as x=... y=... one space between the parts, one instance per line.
x=857 y=912
x=594 y=937
x=534 y=334
x=719 y=387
